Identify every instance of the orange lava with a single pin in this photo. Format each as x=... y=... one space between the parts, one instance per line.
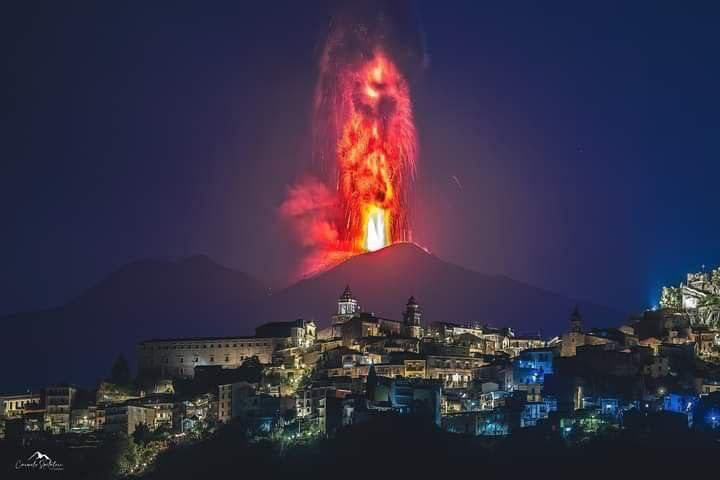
x=375 y=155
x=364 y=128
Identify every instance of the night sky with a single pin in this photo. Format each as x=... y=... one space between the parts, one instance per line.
x=585 y=140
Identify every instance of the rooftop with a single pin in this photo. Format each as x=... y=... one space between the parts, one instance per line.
x=197 y=339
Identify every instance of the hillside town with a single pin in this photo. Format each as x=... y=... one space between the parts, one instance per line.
x=294 y=382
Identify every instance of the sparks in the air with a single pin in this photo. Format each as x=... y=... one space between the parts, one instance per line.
x=365 y=132
x=375 y=155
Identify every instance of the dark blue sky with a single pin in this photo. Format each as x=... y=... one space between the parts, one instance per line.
x=585 y=138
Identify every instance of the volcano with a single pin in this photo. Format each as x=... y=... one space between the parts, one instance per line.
x=197 y=297
x=382 y=281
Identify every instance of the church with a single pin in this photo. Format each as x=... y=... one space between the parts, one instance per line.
x=351 y=323
x=179 y=357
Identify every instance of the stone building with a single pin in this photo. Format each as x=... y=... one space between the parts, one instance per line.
x=300 y=333
x=365 y=325
x=347 y=307
x=411 y=319
x=576 y=337
x=177 y=358
x=351 y=324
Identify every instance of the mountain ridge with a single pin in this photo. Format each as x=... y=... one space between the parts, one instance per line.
x=423 y=267
x=196 y=296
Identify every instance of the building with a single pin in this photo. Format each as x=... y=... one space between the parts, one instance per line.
x=230 y=399
x=164 y=406
x=417 y=397
x=347 y=307
x=532 y=365
x=299 y=333
x=15 y=405
x=411 y=319
x=698 y=298
x=499 y=422
x=178 y=357
x=576 y=337
x=124 y=419
x=453 y=371
x=83 y=420
x=58 y=406
x=534 y=411
x=320 y=409
x=447 y=330
x=364 y=325
x=516 y=344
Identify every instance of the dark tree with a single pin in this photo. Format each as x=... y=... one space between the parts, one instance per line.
x=141 y=435
x=120 y=374
x=251 y=370
x=371 y=383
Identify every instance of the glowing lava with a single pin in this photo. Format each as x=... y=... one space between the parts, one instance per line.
x=375 y=155
x=376 y=228
x=365 y=136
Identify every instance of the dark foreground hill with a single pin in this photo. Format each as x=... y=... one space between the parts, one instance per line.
x=195 y=296
x=400 y=447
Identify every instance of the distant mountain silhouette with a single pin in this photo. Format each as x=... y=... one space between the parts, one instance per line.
x=78 y=342
x=197 y=297
x=383 y=281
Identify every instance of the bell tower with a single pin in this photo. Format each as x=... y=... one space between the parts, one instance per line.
x=347 y=304
x=347 y=307
x=411 y=319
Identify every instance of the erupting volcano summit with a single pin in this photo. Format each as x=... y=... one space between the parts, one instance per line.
x=375 y=155
x=365 y=145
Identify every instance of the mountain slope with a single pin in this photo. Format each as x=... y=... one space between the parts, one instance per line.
x=78 y=342
x=382 y=281
x=197 y=297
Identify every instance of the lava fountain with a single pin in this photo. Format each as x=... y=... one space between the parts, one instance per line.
x=375 y=155
x=364 y=145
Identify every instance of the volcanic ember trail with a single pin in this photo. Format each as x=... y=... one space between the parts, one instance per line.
x=364 y=145
x=375 y=155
